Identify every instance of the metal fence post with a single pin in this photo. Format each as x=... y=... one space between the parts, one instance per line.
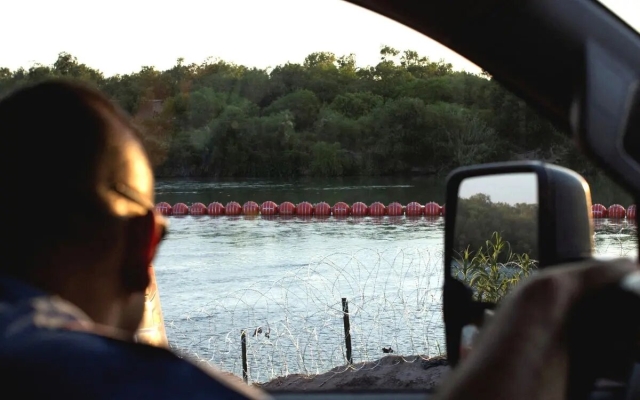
x=245 y=368
x=347 y=329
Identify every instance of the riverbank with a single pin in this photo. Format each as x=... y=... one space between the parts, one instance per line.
x=388 y=373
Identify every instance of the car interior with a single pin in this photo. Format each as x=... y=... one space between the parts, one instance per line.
x=578 y=65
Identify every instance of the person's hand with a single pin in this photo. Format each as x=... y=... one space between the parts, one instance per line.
x=521 y=354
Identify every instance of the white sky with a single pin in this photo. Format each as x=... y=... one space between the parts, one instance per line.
x=120 y=36
x=509 y=188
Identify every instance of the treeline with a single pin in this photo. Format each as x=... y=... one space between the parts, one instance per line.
x=478 y=219
x=324 y=117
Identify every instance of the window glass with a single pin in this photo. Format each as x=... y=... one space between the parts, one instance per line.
x=627 y=10
x=258 y=107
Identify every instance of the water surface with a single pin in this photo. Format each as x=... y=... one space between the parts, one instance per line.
x=286 y=278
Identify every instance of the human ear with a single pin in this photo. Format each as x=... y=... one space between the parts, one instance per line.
x=159 y=230
x=143 y=236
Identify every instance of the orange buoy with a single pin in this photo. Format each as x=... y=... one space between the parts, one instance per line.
x=359 y=209
x=269 y=208
x=377 y=209
x=179 y=209
x=287 y=208
x=432 y=209
x=233 y=208
x=341 y=209
x=631 y=212
x=250 y=208
x=305 y=208
x=598 y=211
x=616 y=211
x=414 y=209
x=198 y=209
x=322 y=209
x=163 y=208
x=215 y=208
x=395 y=209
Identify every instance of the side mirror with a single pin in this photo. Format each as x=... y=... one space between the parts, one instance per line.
x=503 y=222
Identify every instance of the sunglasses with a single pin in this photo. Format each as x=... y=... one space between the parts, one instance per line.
x=133 y=195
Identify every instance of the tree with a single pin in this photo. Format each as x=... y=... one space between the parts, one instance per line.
x=325 y=116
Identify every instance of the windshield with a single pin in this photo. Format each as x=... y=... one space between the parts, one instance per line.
x=301 y=150
x=627 y=10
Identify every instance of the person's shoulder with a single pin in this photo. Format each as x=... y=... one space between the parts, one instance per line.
x=77 y=364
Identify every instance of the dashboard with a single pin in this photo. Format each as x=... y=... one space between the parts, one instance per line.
x=352 y=396
x=610 y=393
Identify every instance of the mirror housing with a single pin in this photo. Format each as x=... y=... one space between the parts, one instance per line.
x=565 y=234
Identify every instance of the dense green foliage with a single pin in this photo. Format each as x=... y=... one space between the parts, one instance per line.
x=493 y=269
x=478 y=218
x=324 y=117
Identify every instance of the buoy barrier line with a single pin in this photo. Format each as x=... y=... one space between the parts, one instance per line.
x=342 y=209
x=305 y=208
x=615 y=211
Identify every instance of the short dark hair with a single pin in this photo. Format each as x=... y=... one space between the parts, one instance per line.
x=55 y=143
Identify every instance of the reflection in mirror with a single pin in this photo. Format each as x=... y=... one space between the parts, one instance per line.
x=496 y=233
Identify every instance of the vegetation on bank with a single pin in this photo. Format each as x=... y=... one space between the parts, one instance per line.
x=479 y=218
x=324 y=117
x=493 y=269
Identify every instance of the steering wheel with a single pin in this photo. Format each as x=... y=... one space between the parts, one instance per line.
x=633 y=387
x=604 y=345
x=619 y=391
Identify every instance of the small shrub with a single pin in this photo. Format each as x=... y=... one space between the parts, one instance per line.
x=490 y=278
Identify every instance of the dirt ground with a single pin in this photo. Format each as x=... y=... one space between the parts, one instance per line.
x=390 y=372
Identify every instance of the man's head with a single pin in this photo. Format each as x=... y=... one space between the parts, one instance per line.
x=77 y=199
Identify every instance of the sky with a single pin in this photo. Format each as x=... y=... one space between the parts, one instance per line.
x=120 y=36
x=509 y=188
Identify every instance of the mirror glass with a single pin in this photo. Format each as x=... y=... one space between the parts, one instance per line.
x=496 y=233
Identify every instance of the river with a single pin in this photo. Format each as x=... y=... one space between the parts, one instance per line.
x=283 y=280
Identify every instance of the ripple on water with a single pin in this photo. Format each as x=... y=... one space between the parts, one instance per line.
x=218 y=276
